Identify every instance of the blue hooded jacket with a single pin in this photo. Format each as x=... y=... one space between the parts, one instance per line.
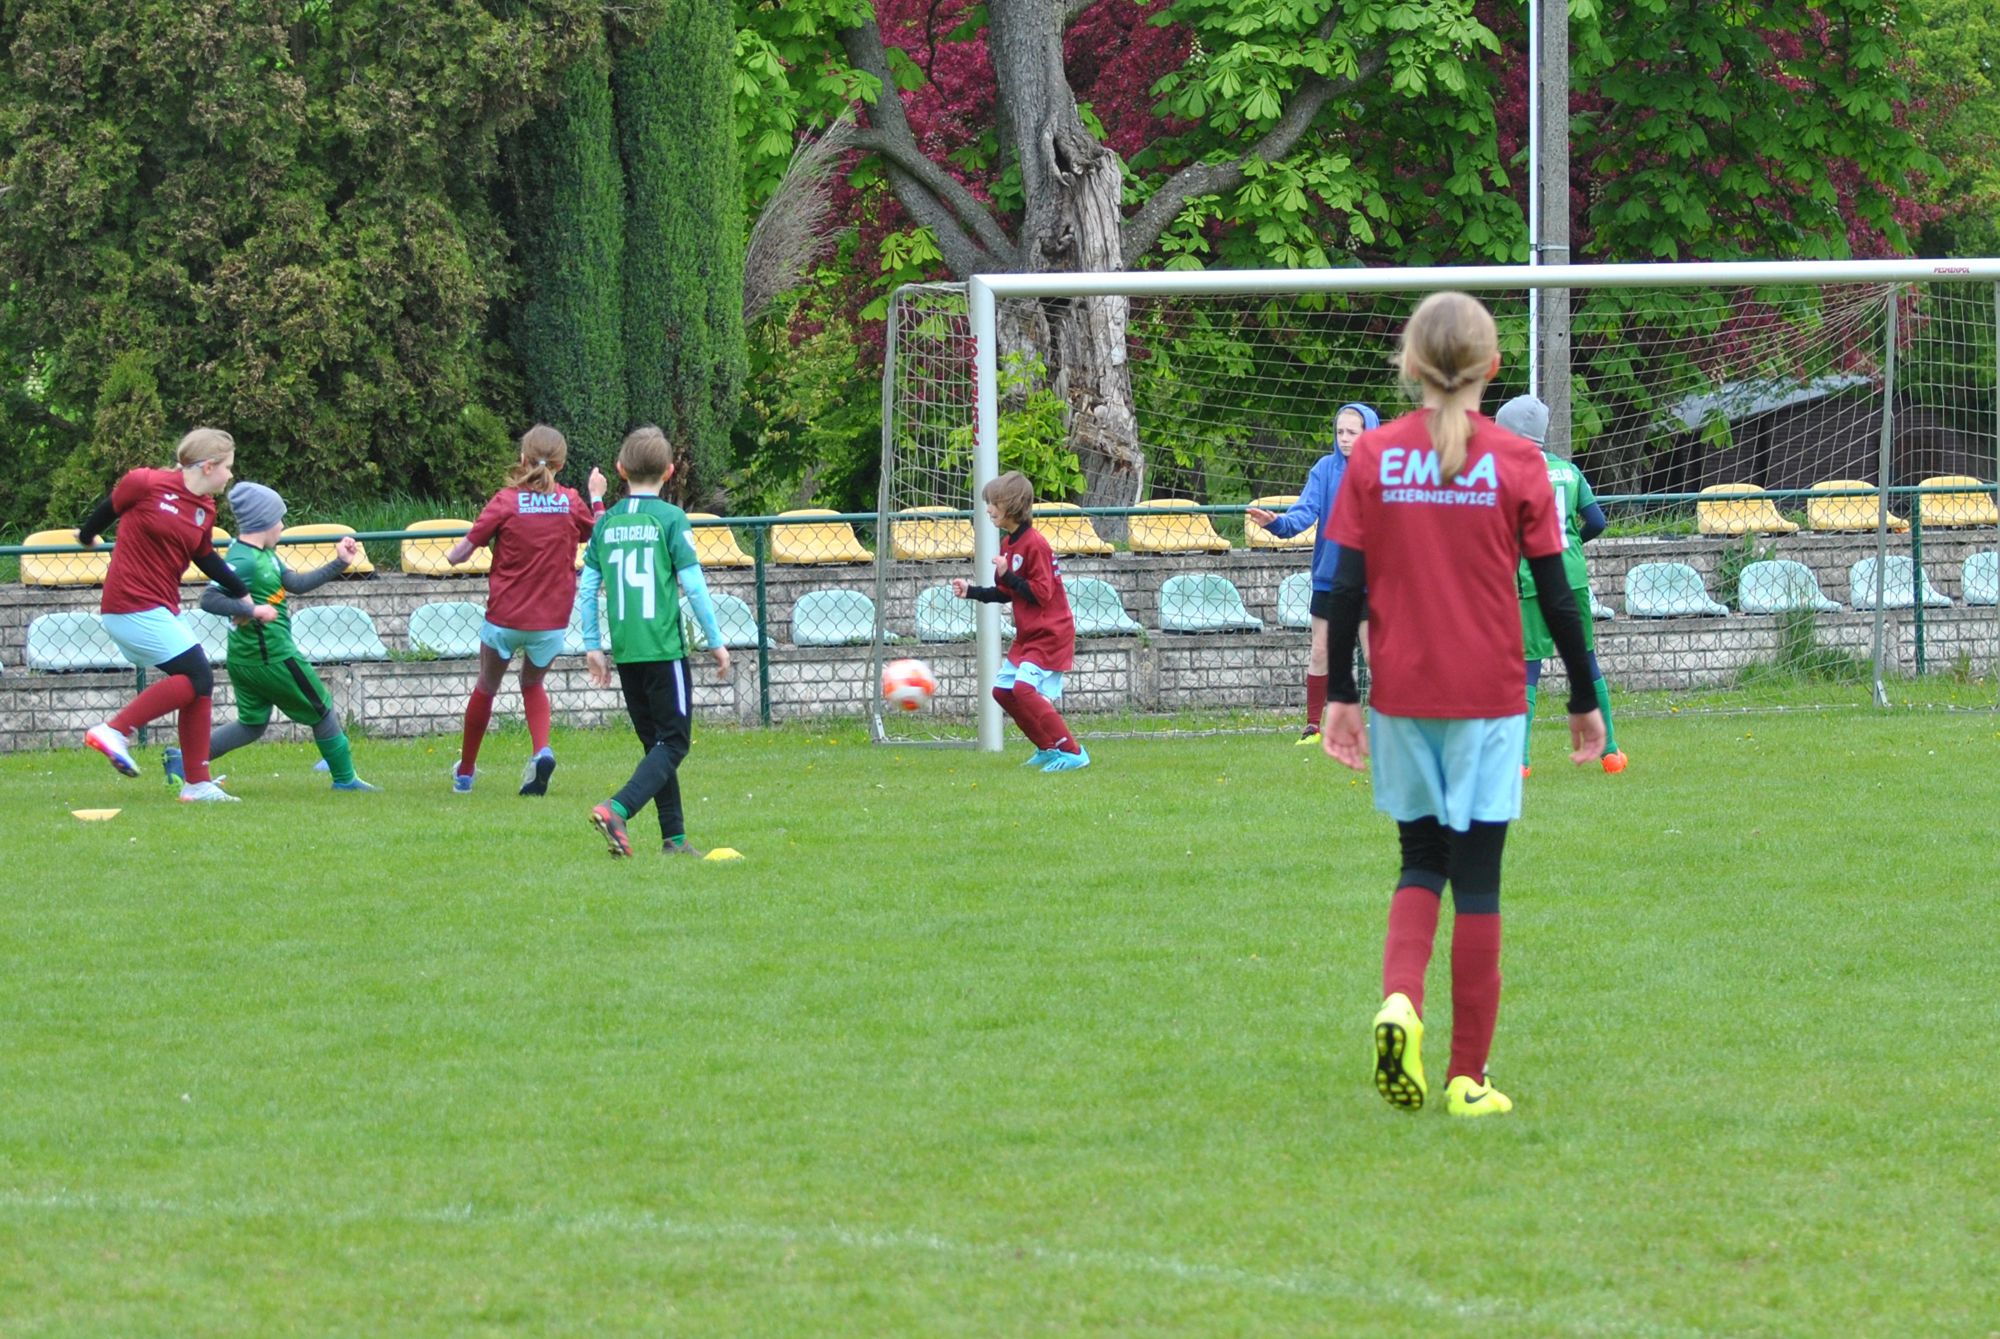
x=1315 y=503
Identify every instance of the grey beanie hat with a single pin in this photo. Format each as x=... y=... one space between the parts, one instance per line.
x=1524 y=415
x=256 y=507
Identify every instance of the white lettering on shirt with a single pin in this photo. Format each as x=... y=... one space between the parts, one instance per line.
x=541 y=504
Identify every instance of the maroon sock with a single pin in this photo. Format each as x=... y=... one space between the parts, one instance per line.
x=161 y=699
x=1315 y=698
x=194 y=731
x=478 y=712
x=1475 y=992
x=1048 y=722
x=535 y=702
x=1406 y=952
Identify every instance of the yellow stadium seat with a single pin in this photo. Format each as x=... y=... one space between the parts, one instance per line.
x=220 y=538
x=1729 y=515
x=1971 y=506
x=305 y=557
x=1174 y=530
x=1846 y=513
x=63 y=569
x=817 y=541
x=1257 y=537
x=929 y=540
x=425 y=557
x=1068 y=530
x=715 y=545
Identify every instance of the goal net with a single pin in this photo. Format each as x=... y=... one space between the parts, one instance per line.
x=1737 y=424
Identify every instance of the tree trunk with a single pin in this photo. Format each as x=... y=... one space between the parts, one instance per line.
x=1073 y=185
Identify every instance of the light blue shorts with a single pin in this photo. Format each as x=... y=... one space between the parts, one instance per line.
x=150 y=637
x=1046 y=682
x=541 y=647
x=1458 y=772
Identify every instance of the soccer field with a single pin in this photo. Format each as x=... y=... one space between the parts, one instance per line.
x=959 y=1048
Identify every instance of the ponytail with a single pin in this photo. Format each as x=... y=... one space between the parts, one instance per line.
x=544 y=452
x=1448 y=349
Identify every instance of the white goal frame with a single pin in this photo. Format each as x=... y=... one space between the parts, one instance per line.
x=984 y=291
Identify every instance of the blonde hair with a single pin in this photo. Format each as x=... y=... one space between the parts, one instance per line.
x=1448 y=349
x=646 y=455
x=202 y=445
x=1013 y=495
x=544 y=452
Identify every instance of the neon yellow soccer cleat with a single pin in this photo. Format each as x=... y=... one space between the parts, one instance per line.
x=1399 y=1053
x=1466 y=1096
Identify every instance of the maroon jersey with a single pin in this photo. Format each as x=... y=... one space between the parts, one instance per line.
x=1044 y=628
x=1444 y=615
x=161 y=529
x=534 y=535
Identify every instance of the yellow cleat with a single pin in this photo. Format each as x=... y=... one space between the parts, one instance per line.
x=1466 y=1096
x=1399 y=1053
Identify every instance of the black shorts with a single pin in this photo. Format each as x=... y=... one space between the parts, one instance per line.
x=1322 y=606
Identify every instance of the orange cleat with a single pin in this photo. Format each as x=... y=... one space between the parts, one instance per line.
x=1614 y=762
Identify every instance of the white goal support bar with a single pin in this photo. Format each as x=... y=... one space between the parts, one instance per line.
x=984 y=291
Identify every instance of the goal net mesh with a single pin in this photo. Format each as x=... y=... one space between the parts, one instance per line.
x=1734 y=438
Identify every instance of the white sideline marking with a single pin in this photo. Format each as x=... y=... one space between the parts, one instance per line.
x=1561 y=1318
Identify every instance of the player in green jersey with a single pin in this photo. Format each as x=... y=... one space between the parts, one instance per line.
x=641 y=556
x=1583 y=520
x=265 y=666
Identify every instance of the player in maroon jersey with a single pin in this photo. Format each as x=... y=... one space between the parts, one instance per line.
x=165 y=521
x=1027 y=575
x=534 y=525
x=1437 y=510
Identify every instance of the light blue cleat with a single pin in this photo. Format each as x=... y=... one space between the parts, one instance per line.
x=1040 y=757
x=461 y=784
x=357 y=785
x=1068 y=762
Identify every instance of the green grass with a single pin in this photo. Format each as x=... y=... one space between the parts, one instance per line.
x=959 y=1048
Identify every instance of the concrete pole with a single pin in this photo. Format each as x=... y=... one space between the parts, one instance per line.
x=1551 y=188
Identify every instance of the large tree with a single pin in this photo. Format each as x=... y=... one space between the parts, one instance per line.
x=1306 y=132
x=271 y=215
x=568 y=213
x=684 y=352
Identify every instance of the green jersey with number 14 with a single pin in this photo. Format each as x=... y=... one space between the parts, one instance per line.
x=637 y=548
x=1572 y=496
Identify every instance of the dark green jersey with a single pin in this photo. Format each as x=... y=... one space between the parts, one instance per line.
x=253 y=642
x=636 y=549
x=1572 y=496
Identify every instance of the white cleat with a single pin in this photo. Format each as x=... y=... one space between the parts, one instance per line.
x=206 y=792
x=107 y=740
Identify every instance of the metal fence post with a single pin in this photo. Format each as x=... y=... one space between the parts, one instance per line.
x=757 y=547
x=1917 y=582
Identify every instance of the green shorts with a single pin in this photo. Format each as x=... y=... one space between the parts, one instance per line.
x=288 y=684
x=1537 y=644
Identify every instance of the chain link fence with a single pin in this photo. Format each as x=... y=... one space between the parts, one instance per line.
x=1193 y=619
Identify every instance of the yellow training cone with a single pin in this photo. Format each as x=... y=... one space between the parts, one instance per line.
x=95 y=815
x=719 y=853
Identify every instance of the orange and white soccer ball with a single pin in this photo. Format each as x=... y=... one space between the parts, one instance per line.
x=908 y=684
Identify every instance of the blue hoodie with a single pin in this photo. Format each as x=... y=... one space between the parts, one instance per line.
x=1315 y=503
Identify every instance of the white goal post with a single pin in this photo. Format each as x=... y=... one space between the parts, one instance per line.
x=989 y=290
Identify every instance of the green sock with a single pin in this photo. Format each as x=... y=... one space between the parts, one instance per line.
x=617 y=808
x=1530 y=721
x=1604 y=705
x=339 y=757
